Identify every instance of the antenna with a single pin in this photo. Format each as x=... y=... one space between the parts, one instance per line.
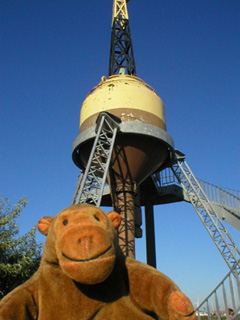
x=121 y=51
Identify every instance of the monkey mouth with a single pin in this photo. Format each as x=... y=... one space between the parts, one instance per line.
x=86 y=260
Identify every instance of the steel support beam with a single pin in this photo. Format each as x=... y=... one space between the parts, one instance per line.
x=150 y=235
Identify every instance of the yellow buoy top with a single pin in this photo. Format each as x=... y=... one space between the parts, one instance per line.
x=125 y=96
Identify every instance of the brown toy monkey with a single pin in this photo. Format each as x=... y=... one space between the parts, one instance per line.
x=83 y=275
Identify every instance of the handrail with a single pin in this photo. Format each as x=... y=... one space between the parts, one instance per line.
x=226 y=295
x=223 y=196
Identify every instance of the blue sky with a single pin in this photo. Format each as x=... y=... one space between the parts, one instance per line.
x=54 y=51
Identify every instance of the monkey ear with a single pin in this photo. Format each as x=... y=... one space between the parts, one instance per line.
x=44 y=224
x=115 y=218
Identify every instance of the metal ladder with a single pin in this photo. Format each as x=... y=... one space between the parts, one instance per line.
x=90 y=185
x=206 y=212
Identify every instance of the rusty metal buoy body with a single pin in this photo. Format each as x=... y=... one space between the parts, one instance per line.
x=141 y=147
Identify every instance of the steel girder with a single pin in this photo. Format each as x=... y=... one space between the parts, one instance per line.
x=205 y=211
x=91 y=184
x=121 y=51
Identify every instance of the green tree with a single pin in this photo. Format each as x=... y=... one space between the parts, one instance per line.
x=19 y=255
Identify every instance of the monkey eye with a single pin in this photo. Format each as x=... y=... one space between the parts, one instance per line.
x=65 y=222
x=96 y=218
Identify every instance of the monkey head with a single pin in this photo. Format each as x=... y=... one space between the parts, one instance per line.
x=82 y=240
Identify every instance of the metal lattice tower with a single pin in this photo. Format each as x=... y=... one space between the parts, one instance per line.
x=121 y=51
x=91 y=184
x=206 y=212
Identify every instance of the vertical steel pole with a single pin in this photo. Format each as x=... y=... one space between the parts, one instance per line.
x=150 y=235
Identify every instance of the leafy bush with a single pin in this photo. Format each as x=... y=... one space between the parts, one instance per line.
x=19 y=255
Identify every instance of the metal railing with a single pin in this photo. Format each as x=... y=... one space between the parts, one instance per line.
x=223 y=196
x=226 y=295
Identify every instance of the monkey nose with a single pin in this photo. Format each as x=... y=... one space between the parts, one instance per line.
x=85 y=243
